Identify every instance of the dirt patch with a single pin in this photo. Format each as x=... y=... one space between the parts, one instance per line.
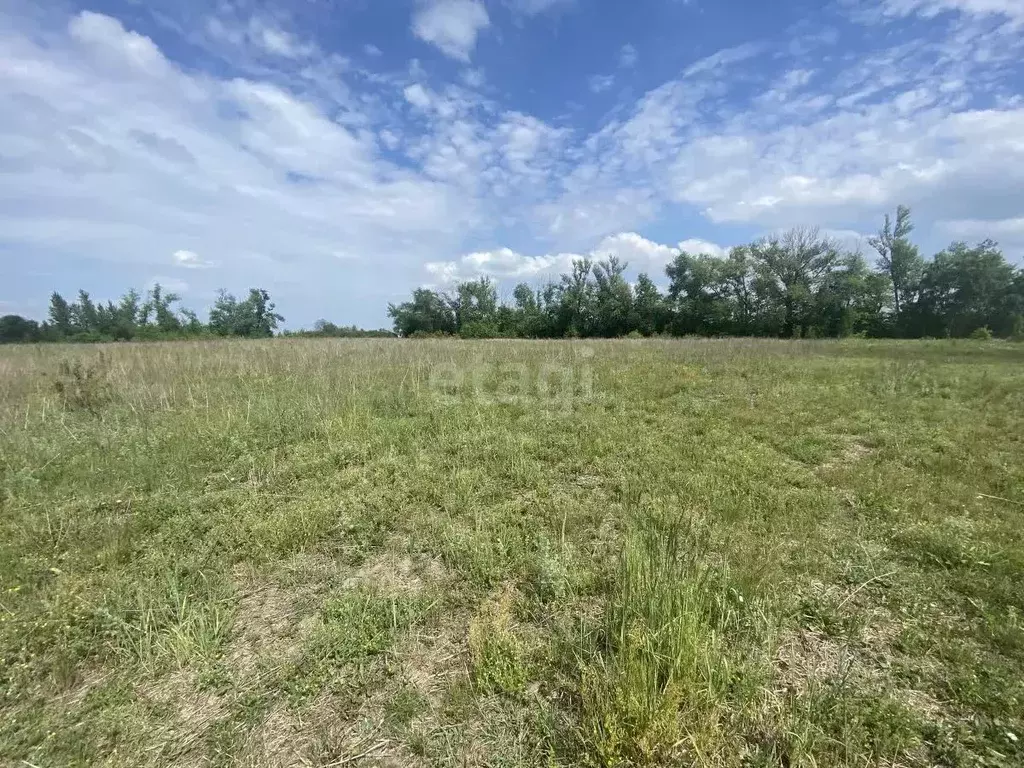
x=391 y=574
x=181 y=733
x=268 y=626
x=806 y=657
x=432 y=662
x=279 y=741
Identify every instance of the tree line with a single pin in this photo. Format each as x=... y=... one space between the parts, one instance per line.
x=798 y=284
x=150 y=316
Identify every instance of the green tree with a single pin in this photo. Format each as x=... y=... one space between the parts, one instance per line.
x=17 y=329
x=252 y=318
x=792 y=266
x=965 y=288
x=428 y=312
x=158 y=304
x=700 y=294
x=84 y=317
x=573 y=300
x=60 y=316
x=650 y=313
x=850 y=298
x=475 y=305
x=898 y=258
x=613 y=299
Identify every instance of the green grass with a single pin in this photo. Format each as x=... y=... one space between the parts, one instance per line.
x=512 y=553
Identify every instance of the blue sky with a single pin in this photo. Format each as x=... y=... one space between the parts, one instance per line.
x=341 y=152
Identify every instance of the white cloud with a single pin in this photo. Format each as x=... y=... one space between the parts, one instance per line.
x=114 y=155
x=698 y=246
x=112 y=152
x=261 y=35
x=417 y=95
x=628 y=56
x=504 y=264
x=501 y=264
x=110 y=44
x=535 y=7
x=635 y=249
x=451 y=25
x=1009 y=233
x=981 y=228
x=1013 y=9
x=190 y=260
x=723 y=59
x=600 y=83
x=474 y=78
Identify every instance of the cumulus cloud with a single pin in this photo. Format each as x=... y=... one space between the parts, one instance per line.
x=116 y=155
x=451 y=25
x=505 y=264
x=698 y=246
x=314 y=177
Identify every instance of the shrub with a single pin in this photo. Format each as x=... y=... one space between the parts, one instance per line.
x=982 y=334
x=82 y=387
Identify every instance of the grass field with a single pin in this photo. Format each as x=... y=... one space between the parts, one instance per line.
x=709 y=553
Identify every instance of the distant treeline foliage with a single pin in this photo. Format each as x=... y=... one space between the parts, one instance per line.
x=799 y=284
x=325 y=329
x=151 y=316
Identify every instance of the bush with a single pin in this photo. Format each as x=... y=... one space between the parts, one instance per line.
x=82 y=387
x=479 y=330
x=982 y=334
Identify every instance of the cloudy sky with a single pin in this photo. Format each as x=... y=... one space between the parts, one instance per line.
x=341 y=152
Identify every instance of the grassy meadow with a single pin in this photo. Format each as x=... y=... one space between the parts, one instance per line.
x=512 y=553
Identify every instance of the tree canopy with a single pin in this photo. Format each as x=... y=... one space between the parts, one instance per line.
x=795 y=284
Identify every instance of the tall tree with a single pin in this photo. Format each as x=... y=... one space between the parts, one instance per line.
x=613 y=298
x=793 y=265
x=159 y=304
x=698 y=289
x=650 y=313
x=898 y=258
x=60 y=315
x=475 y=303
x=575 y=306
x=83 y=314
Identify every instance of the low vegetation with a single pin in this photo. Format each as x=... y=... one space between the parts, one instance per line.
x=512 y=553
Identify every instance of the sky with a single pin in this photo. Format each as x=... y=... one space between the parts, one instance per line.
x=340 y=153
